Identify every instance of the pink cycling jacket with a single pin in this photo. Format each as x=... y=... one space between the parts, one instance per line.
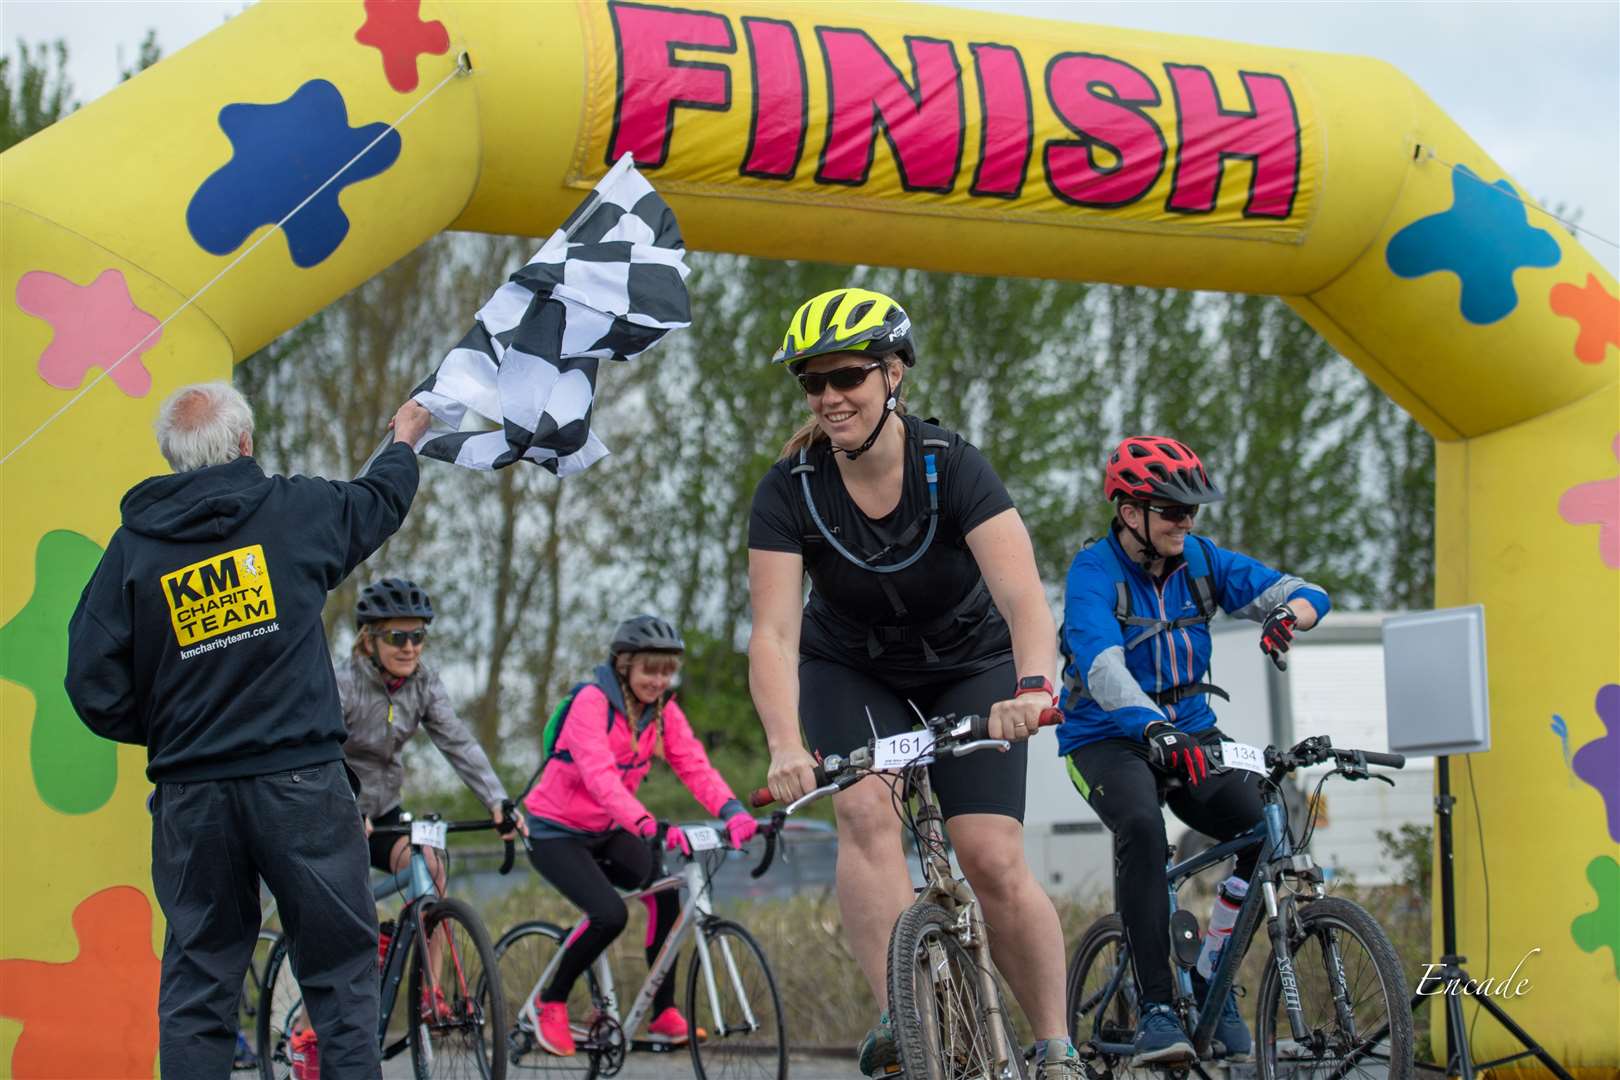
x=601 y=758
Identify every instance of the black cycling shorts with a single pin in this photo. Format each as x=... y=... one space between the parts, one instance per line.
x=833 y=704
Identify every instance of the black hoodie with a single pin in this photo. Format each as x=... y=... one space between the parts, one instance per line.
x=199 y=636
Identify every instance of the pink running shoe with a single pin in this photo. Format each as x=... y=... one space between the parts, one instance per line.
x=670 y=1027
x=555 y=1036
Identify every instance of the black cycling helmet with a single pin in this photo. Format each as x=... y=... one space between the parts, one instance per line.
x=646 y=633
x=392 y=598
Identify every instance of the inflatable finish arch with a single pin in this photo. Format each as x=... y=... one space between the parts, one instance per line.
x=903 y=135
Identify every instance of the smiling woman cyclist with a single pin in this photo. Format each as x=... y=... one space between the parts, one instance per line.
x=387 y=694
x=924 y=596
x=590 y=832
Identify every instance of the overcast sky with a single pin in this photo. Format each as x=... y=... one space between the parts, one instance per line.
x=1536 y=84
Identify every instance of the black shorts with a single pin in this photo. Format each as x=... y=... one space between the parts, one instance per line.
x=833 y=704
x=382 y=846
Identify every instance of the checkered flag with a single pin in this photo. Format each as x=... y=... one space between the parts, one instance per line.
x=608 y=284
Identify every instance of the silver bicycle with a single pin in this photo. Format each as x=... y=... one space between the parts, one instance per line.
x=737 y=1024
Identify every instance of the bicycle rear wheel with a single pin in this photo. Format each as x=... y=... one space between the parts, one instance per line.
x=279 y=1013
x=746 y=1036
x=1100 y=998
x=1352 y=992
x=523 y=954
x=457 y=1032
x=942 y=1018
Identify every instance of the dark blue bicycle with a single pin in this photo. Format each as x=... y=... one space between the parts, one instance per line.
x=454 y=1012
x=1333 y=999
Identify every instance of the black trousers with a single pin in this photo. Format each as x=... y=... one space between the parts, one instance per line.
x=585 y=870
x=211 y=843
x=1115 y=777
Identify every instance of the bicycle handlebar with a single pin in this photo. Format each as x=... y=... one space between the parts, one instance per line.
x=769 y=829
x=507 y=827
x=954 y=737
x=1319 y=748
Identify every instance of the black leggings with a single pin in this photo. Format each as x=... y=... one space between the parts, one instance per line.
x=1115 y=778
x=585 y=869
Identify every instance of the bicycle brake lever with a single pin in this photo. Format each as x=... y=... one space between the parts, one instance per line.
x=976 y=745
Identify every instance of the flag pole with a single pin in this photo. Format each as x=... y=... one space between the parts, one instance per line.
x=387 y=438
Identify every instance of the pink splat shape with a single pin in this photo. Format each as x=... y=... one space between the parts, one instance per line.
x=95 y=324
x=1597 y=503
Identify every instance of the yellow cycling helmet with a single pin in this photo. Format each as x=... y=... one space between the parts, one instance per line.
x=847 y=320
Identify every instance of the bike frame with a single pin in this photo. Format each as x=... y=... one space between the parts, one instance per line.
x=696 y=912
x=1277 y=857
x=943 y=888
x=415 y=883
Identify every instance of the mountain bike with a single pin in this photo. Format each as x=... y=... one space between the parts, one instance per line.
x=945 y=1001
x=1333 y=999
x=732 y=1005
x=455 y=1010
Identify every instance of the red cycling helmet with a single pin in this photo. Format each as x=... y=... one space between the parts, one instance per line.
x=1151 y=466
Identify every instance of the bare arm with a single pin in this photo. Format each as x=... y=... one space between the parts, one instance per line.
x=1006 y=558
x=776 y=591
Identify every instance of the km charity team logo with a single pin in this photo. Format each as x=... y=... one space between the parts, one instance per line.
x=220 y=594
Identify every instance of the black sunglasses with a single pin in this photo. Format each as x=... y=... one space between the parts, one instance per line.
x=844 y=378
x=1173 y=514
x=400 y=638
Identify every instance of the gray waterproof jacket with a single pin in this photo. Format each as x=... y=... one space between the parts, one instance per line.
x=381 y=723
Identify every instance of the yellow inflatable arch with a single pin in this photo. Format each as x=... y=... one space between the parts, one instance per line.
x=897 y=134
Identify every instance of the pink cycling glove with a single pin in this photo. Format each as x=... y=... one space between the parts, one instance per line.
x=740 y=828
x=675 y=840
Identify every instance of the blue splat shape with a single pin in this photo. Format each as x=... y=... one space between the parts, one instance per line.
x=1482 y=239
x=282 y=153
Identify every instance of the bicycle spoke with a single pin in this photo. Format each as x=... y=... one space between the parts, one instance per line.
x=1352 y=999
x=454 y=999
x=726 y=1044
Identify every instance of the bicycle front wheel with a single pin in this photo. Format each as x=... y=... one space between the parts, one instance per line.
x=942 y=1015
x=526 y=954
x=1357 y=1011
x=457 y=1009
x=738 y=1030
x=1100 y=998
x=280 y=1014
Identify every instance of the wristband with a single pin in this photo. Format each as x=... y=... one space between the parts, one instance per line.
x=1029 y=684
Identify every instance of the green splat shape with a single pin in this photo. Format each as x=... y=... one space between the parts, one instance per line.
x=1600 y=929
x=75 y=770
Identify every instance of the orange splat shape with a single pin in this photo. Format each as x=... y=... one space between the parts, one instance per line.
x=1595 y=310
x=95 y=1016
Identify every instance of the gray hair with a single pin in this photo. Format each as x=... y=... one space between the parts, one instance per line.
x=202 y=425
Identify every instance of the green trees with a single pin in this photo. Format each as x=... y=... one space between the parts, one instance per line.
x=1324 y=476
x=35 y=91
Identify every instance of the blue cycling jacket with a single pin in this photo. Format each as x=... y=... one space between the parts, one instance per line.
x=1107 y=689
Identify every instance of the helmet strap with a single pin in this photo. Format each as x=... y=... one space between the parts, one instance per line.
x=890 y=402
x=1150 y=554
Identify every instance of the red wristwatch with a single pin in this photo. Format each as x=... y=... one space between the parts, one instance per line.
x=1031 y=683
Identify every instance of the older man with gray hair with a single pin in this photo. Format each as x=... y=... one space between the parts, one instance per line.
x=199 y=637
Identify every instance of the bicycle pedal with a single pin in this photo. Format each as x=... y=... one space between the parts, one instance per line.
x=892 y=1070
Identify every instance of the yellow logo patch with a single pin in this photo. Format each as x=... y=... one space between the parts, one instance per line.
x=222 y=593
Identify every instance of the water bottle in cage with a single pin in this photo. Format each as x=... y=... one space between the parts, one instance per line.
x=1228 y=898
x=385 y=934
